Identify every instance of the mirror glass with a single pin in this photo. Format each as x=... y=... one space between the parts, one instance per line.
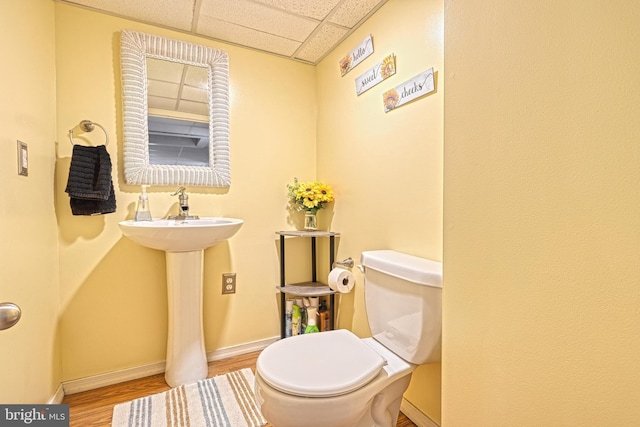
x=176 y=112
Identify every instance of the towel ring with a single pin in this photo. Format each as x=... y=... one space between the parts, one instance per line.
x=89 y=126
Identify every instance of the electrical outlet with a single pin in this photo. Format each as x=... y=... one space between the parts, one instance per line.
x=228 y=283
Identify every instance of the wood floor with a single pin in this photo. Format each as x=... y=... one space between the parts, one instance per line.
x=94 y=408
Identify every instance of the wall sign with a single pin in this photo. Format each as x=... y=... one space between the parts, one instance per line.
x=356 y=56
x=374 y=75
x=418 y=86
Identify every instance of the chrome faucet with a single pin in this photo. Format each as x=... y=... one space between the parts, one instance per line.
x=183 y=199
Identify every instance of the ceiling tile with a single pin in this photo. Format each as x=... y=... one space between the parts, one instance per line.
x=246 y=36
x=172 y=13
x=199 y=108
x=258 y=17
x=304 y=30
x=190 y=93
x=163 y=89
x=321 y=42
x=161 y=103
x=166 y=71
x=197 y=77
x=313 y=9
x=351 y=12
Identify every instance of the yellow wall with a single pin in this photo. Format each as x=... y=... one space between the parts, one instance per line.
x=386 y=168
x=541 y=198
x=288 y=120
x=113 y=292
x=30 y=368
x=542 y=214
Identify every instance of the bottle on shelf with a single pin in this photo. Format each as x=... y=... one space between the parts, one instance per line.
x=311 y=327
x=312 y=320
x=296 y=319
x=300 y=302
x=305 y=313
x=323 y=316
x=288 y=318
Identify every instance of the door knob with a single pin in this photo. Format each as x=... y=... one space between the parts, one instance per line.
x=9 y=315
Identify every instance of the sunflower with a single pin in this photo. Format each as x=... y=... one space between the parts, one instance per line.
x=345 y=64
x=391 y=98
x=388 y=67
x=309 y=196
x=325 y=193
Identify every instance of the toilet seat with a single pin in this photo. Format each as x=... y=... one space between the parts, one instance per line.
x=326 y=364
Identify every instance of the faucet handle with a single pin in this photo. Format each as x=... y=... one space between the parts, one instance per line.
x=179 y=191
x=183 y=209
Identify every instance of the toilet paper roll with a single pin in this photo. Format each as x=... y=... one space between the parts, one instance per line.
x=341 y=280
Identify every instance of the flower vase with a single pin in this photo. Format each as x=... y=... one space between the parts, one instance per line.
x=310 y=221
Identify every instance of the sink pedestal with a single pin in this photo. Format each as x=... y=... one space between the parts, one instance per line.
x=186 y=357
x=184 y=243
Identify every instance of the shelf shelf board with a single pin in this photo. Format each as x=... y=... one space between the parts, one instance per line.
x=307 y=289
x=302 y=233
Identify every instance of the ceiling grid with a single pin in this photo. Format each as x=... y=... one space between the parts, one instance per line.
x=302 y=30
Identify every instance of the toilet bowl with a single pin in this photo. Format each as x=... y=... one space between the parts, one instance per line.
x=335 y=378
x=332 y=381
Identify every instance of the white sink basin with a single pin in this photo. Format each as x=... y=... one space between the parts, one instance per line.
x=180 y=236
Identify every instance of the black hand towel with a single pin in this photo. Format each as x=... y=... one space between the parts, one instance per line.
x=89 y=184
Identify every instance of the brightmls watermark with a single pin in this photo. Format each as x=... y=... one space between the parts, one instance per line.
x=34 y=415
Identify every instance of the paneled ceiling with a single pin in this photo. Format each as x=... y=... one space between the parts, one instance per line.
x=302 y=30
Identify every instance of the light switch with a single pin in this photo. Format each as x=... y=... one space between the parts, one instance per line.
x=23 y=159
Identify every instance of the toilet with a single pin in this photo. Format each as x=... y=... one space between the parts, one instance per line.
x=336 y=379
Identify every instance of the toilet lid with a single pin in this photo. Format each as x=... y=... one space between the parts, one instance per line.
x=319 y=365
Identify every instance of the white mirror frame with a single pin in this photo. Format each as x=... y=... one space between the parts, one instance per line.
x=135 y=48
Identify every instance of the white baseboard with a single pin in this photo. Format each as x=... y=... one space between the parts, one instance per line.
x=110 y=378
x=416 y=415
x=56 y=399
x=116 y=377
x=237 y=350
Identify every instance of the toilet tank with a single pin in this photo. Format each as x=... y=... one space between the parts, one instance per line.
x=403 y=299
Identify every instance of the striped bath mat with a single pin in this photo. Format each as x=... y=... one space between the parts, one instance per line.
x=225 y=400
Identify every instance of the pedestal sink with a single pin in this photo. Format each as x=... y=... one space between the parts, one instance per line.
x=184 y=243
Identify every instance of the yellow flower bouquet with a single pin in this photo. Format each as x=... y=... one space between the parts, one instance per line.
x=309 y=196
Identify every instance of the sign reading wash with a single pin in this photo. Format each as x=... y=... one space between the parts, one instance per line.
x=374 y=75
x=34 y=415
x=418 y=86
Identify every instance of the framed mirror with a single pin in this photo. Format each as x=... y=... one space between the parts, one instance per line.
x=176 y=112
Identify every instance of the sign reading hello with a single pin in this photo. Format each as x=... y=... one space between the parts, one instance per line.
x=356 y=56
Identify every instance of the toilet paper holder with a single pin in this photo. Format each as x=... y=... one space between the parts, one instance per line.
x=348 y=264
x=345 y=263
